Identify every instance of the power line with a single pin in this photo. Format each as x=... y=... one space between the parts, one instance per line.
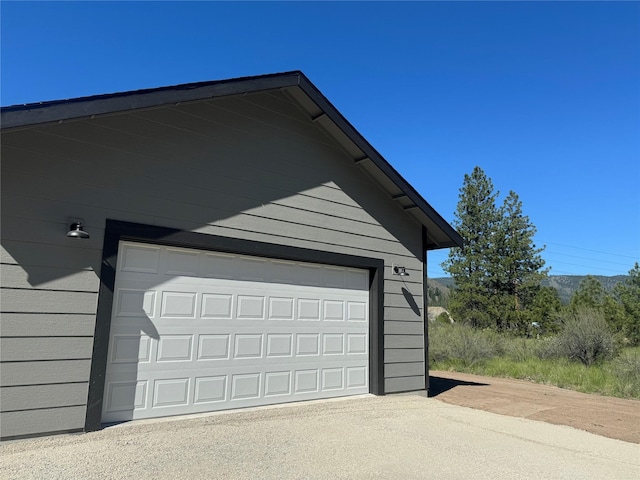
x=550 y=259
x=589 y=250
x=584 y=258
x=584 y=266
x=636 y=258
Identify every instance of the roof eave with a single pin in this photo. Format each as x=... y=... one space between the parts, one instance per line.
x=82 y=107
x=455 y=239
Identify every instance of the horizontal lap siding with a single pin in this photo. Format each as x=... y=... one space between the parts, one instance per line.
x=404 y=333
x=405 y=384
x=29 y=255
x=48 y=324
x=48 y=320
x=22 y=349
x=32 y=397
x=49 y=278
x=44 y=372
x=48 y=301
x=403 y=355
x=47 y=420
x=405 y=369
x=392 y=327
x=255 y=168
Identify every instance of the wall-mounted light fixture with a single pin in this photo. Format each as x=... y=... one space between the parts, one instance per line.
x=76 y=231
x=402 y=271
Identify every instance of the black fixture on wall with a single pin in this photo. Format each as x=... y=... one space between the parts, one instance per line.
x=76 y=230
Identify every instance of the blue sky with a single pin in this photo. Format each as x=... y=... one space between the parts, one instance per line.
x=543 y=96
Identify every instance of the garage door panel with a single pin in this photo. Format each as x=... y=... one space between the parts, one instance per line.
x=356 y=377
x=217 y=306
x=226 y=303
x=141 y=260
x=138 y=258
x=213 y=346
x=171 y=392
x=279 y=345
x=124 y=394
x=210 y=389
x=180 y=392
x=130 y=348
x=199 y=331
x=278 y=383
x=176 y=346
x=332 y=379
x=181 y=262
x=178 y=304
x=135 y=302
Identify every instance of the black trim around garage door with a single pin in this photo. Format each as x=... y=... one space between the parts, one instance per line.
x=117 y=230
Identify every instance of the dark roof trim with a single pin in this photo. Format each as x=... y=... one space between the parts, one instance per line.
x=59 y=110
x=370 y=152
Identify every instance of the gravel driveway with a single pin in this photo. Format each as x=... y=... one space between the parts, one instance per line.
x=607 y=416
x=392 y=437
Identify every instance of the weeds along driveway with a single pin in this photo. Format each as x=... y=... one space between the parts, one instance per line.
x=392 y=437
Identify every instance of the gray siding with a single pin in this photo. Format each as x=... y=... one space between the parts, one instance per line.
x=47 y=325
x=36 y=397
x=44 y=372
x=29 y=349
x=254 y=167
x=43 y=420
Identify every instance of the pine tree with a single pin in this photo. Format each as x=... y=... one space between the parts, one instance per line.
x=545 y=311
x=628 y=294
x=497 y=272
x=476 y=218
x=591 y=295
x=515 y=271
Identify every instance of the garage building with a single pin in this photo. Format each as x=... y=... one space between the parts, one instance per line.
x=203 y=247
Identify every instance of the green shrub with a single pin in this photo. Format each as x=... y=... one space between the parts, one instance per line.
x=461 y=344
x=542 y=360
x=585 y=336
x=626 y=369
x=520 y=349
x=444 y=318
x=550 y=348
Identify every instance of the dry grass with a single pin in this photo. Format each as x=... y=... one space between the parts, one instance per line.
x=463 y=349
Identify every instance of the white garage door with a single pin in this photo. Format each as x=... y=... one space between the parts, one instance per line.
x=195 y=331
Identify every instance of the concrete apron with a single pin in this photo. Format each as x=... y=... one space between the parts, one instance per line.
x=396 y=436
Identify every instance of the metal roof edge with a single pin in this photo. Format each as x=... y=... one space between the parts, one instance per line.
x=60 y=110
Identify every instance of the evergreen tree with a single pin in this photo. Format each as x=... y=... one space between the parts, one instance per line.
x=497 y=272
x=591 y=295
x=545 y=310
x=628 y=294
x=437 y=298
x=516 y=264
x=476 y=218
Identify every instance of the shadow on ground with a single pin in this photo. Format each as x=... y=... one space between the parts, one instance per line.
x=438 y=385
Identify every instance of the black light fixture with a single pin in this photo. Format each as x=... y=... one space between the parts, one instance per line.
x=76 y=231
x=402 y=271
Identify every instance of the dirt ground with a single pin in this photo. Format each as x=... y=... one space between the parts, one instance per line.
x=607 y=416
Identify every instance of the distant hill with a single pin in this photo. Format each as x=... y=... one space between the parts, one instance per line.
x=566 y=285
x=439 y=290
